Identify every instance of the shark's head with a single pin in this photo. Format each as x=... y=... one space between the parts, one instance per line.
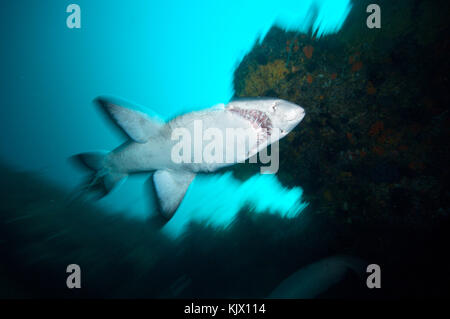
x=270 y=113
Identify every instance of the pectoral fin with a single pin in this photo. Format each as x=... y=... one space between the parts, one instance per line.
x=170 y=187
x=135 y=124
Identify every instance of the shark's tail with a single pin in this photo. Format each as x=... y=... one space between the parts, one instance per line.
x=170 y=186
x=103 y=179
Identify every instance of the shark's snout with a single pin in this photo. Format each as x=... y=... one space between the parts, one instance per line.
x=294 y=113
x=300 y=113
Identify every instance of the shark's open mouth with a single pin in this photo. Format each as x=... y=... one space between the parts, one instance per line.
x=259 y=121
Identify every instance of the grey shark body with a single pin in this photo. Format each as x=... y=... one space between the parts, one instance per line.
x=316 y=278
x=151 y=143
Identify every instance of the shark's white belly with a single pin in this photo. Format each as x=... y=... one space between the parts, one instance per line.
x=209 y=132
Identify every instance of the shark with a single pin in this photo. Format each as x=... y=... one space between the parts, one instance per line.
x=316 y=278
x=150 y=143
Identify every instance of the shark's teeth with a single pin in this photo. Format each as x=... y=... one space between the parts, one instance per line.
x=259 y=120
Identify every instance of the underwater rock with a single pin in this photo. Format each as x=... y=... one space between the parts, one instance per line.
x=385 y=173
x=365 y=114
x=264 y=78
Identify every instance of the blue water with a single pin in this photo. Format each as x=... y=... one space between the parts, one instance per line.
x=171 y=56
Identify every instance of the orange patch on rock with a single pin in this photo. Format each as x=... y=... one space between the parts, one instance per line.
x=351 y=59
x=333 y=76
x=350 y=138
x=357 y=66
x=309 y=78
x=378 y=150
x=308 y=51
x=376 y=128
x=371 y=90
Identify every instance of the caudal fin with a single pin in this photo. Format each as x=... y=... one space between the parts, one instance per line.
x=102 y=180
x=92 y=160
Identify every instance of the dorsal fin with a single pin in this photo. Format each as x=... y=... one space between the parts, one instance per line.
x=135 y=124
